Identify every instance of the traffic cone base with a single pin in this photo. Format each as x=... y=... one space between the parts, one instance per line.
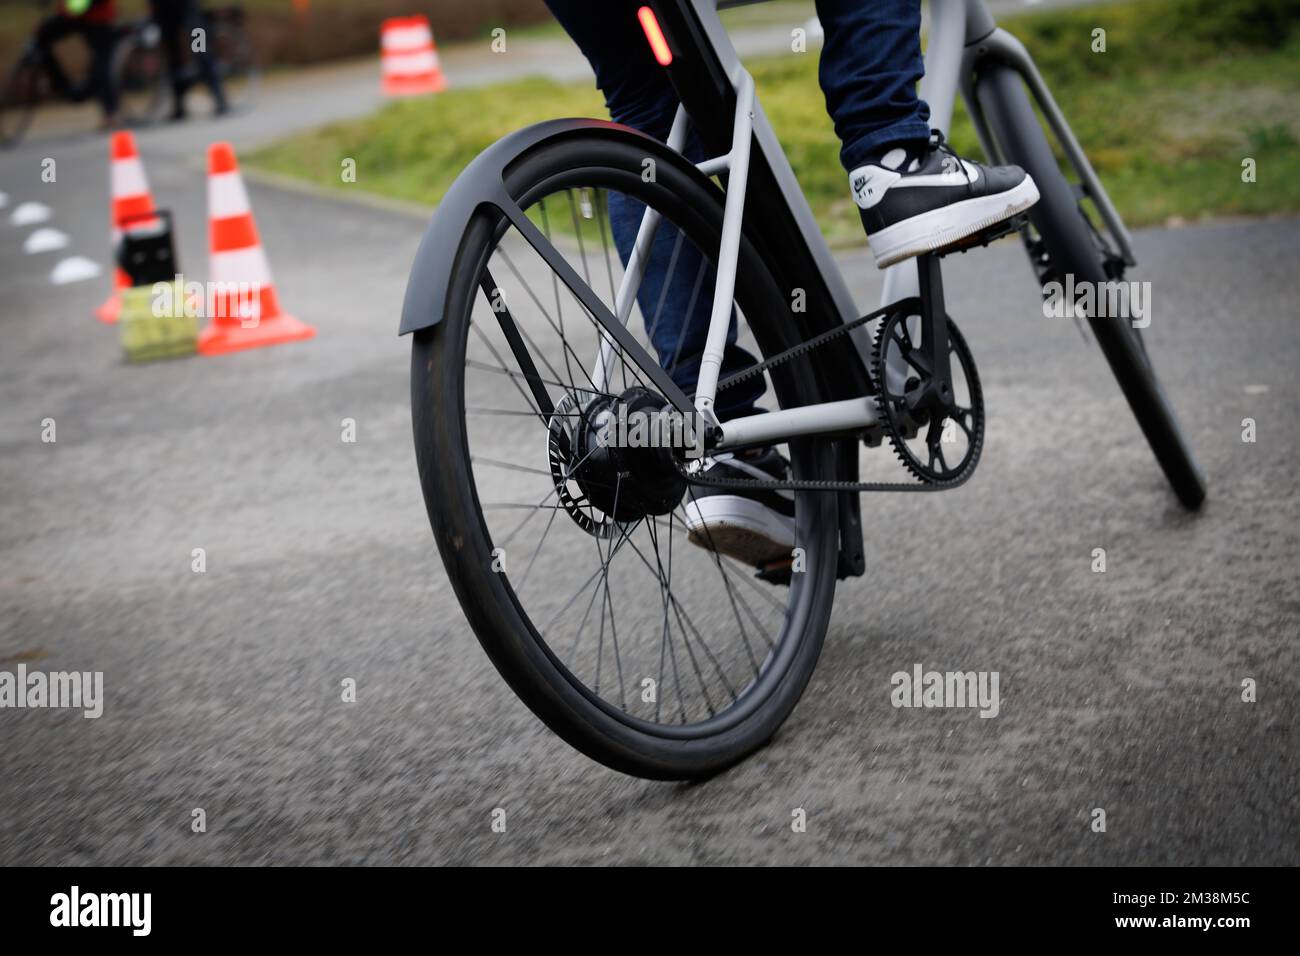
x=112 y=307
x=414 y=86
x=221 y=339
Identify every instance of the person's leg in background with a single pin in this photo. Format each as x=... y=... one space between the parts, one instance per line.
x=676 y=303
x=102 y=40
x=169 y=26
x=177 y=21
x=50 y=32
x=206 y=59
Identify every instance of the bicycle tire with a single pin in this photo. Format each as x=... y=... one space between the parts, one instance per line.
x=140 y=71
x=1068 y=241
x=504 y=629
x=18 y=100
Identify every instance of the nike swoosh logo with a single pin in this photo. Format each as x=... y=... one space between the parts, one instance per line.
x=869 y=184
x=953 y=178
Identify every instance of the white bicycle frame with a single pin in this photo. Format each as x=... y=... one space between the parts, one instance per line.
x=961 y=31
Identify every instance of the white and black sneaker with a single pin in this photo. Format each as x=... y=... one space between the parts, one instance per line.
x=921 y=201
x=753 y=526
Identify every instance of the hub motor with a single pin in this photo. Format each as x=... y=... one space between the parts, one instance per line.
x=616 y=451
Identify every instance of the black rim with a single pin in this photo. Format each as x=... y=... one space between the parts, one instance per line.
x=18 y=101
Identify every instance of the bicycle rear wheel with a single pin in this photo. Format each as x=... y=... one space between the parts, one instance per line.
x=1072 y=246
x=655 y=656
x=22 y=91
x=142 y=78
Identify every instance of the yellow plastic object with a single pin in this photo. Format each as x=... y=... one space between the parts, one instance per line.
x=158 y=322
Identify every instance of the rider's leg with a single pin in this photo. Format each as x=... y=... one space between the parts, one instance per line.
x=870 y=65
x=676 y=290
x=914 y=194
x=50 y=32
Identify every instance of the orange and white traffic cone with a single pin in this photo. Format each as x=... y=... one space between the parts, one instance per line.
x=129 y=201
x=410 y=57
x=244 y=311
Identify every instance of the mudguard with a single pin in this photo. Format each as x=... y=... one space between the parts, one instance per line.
x=483 y=182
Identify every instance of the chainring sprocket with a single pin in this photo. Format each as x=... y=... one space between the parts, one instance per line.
x=919 y=434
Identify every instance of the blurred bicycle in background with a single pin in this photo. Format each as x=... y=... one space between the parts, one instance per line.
x=139 y=71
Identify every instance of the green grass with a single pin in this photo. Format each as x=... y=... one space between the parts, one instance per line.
x=1185 y=91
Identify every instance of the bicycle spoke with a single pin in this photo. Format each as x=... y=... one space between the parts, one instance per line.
x=557 y=325
x=540 y=541
x=473 y=363
x=726 y=583
x=509 y=466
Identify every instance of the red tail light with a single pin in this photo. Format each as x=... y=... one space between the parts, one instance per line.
x=658 y=45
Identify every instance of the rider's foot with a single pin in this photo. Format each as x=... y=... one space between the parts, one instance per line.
x=221 y=109
x=928 y=198
x=756 y=527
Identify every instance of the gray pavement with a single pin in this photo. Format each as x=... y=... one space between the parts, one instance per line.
x=1119 y=690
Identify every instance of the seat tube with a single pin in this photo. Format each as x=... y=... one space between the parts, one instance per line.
x=724 y=291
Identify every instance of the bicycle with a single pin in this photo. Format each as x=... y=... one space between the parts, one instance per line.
x=26 y=86
x=567 y=550
x=140 y=72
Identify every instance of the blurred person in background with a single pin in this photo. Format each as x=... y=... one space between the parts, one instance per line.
x=178 y=19
x=95 y=21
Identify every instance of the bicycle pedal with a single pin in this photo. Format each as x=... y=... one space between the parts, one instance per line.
x=987 y=236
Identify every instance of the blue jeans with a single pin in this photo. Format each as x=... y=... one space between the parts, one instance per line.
x=870 y=64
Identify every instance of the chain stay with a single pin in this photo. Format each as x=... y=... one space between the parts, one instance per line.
x=906 y=307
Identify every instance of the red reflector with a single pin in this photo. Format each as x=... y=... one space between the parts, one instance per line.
x=658 y=45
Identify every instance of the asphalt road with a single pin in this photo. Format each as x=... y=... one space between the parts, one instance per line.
x=1119 y=690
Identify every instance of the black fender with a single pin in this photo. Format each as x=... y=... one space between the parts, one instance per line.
x=481 y=183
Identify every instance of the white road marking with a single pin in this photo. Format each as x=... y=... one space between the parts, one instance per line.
x=74 y=269
x=29 y=214
x=1256 y=389
x=45 y=240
